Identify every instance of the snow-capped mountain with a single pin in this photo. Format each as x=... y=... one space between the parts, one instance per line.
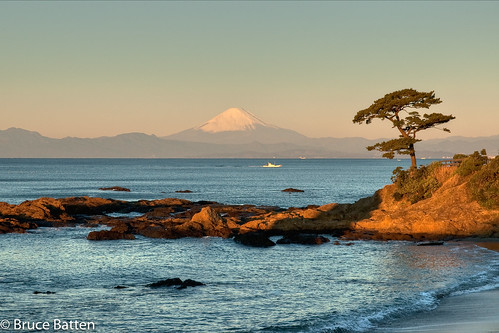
x=236 y=125
x=233 y=119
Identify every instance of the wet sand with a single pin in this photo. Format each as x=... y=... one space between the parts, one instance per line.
x=470 y=313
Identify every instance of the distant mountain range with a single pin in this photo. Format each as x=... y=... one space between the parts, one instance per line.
x=233 y=133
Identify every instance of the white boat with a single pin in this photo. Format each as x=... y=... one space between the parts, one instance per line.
x=271 y=165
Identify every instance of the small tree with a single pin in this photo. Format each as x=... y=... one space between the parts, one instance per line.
x=395 y=107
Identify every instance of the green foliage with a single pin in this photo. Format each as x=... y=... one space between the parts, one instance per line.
x=459 y=156
x=472 y=163
x=395 y=108
x=484 y=185
x=416 y=184
x=396 y=146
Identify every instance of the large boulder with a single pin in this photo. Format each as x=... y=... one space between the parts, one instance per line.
x=205 y=223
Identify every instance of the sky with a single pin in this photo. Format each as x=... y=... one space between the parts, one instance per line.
x=90 y=69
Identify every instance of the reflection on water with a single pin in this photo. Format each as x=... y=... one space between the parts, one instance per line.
x=287 y=288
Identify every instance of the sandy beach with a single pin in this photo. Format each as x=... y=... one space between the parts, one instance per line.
x=471 y=313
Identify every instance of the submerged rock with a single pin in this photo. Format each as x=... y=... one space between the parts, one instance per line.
x=108 y=235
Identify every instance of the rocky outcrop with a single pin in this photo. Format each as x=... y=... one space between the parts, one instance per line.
x=450 y=212
x=40 y=209
x=207 y=223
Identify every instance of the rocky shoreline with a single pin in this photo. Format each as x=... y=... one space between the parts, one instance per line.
x=449 y=214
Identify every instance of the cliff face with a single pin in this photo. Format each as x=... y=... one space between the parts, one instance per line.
x=449 y=212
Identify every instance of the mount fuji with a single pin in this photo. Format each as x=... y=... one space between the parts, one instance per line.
x=234 y=133
x=238 y=126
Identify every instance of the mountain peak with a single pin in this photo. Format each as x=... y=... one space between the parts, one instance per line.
x=233 y=119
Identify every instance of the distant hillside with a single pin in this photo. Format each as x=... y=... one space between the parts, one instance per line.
x=235 y=133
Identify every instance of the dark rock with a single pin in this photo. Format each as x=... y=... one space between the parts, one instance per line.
x=303 y=239
x=192 y=283
x=115 y=188
x=155 y=231
x=183 y=191
x=44 y=292
x=254 y=239
x=175 y=282
x=93 y=206
x=165 y=283
x=120 y=287
x=108 y=235
x=292 y=190
x=123 y=228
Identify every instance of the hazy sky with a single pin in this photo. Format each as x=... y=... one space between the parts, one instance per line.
x=102 y=68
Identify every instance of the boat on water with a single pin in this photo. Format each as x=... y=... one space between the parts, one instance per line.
x=271 y=165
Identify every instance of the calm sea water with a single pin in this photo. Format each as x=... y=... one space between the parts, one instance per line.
x=287 y=288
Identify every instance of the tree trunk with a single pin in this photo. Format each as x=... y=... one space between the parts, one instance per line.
x=412 y=153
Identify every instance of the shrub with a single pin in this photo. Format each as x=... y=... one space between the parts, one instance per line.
x=416 y=184
x=472 y=163
x=484 y=185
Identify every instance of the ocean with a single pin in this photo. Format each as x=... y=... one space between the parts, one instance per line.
x=286 y=288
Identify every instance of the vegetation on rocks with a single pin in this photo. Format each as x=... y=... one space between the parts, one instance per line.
x=471 y=163
x=480 y=174
x=417 y=184
x=484 y=184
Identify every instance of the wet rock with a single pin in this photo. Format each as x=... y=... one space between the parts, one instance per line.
x=254 y=239
x=44 y=292
x=14 y=226
x=292 y=190
x=154 y=231
x=303 y=239
x=183 y=191
x=108 y=235
x=115 y=188
x=175 y=282
x=120 y=287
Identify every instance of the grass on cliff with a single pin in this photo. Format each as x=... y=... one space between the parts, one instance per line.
x=480 y=173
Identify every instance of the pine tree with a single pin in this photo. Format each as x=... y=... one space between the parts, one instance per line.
x=398 y=107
